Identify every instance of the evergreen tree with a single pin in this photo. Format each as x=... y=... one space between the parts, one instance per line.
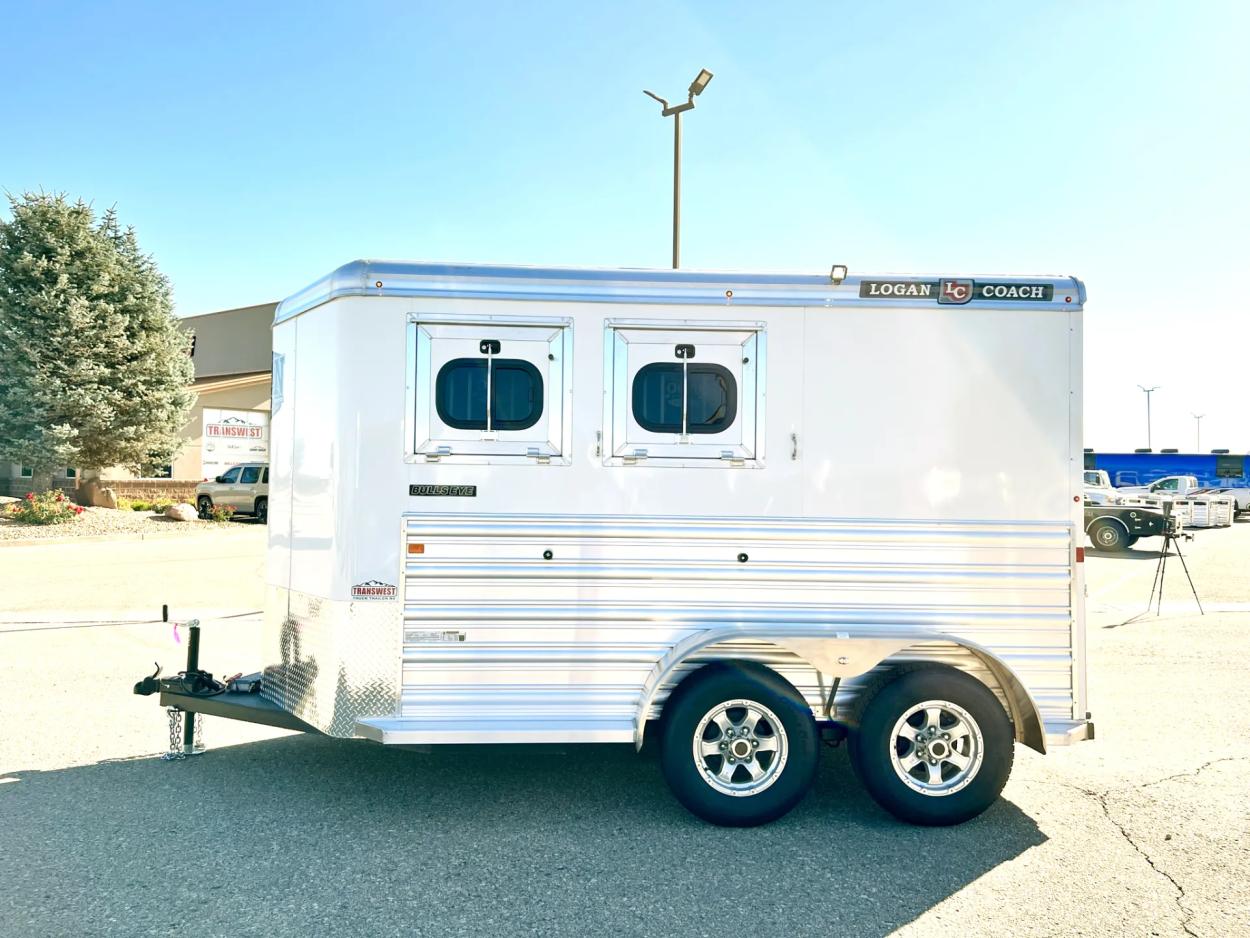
x=94 y=371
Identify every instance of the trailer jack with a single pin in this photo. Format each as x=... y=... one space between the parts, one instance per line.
x=186 y=735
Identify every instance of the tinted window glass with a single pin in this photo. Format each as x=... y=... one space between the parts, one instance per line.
x=1229 y=467
x=231 y=475
x=516 y=389
x=711 y=397
x=250 y=475
x=265 y=476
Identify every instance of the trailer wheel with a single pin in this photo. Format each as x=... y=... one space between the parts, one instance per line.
x=933 y=746
x=739 y=746
x=204 y=505
x=1107 y=535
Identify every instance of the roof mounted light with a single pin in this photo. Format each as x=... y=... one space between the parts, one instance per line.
x=837 y=274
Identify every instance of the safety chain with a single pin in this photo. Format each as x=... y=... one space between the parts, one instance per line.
x=176 y=751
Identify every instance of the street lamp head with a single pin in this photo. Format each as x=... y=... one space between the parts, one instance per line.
x=700 y=82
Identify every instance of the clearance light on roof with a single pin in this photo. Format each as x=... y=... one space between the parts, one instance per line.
x=838 y=273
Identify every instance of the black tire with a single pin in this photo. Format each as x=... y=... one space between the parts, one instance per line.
x=791 y=754
x=261 y=510
x=203 y=505
x=1109 y=535
x=880 y=756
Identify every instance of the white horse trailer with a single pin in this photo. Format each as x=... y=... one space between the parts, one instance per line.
x=519 y=505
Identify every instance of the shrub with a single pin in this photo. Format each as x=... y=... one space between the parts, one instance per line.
x=160 y=507
x=220 y=513
x=46 y=508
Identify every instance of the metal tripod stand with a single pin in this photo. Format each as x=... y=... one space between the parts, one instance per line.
x=1171 y=538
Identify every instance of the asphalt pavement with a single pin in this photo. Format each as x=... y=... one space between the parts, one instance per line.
x=1145 y=831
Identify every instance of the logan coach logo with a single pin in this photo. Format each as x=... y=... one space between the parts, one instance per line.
x=374 y=589
x=897 y=289
x=955 y=291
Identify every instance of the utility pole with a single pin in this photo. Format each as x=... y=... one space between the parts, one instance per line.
x=1198 y=432
x=675 y=112
x=1150 y=445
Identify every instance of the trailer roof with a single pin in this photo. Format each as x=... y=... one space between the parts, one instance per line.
x=641 y=285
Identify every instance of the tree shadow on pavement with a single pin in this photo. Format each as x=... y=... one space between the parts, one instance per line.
x=310 y=835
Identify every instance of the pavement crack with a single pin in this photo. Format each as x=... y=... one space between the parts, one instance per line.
x=1101 y=798
x=1196 y=772
x=1187 y=913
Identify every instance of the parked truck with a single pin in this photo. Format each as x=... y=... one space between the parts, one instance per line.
x=1119 y=527
x=1218 y=472
x=520 y=505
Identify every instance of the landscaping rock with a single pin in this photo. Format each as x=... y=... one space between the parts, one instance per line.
x=104 y=498
x=181 y=512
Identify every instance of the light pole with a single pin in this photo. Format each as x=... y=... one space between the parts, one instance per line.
x=1148 y=391
x=696 y=88
x=1197 y=431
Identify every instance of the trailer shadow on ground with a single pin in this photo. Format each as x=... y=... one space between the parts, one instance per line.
x=1128 y=554
x=309 y=835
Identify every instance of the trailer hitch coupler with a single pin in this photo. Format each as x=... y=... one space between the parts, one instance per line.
x=150 y=684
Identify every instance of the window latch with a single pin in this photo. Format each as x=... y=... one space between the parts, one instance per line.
x=541 y=458
x=727 y=455
x=638 y=456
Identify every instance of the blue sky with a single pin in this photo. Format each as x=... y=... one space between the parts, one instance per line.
x=256 y=146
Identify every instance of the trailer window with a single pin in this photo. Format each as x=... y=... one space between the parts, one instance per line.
x=684 y=393
x=1229 y=467
x=495 y=390
x=515 y=388
x=706 y=394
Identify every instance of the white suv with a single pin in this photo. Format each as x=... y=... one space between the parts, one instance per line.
x=244 y=488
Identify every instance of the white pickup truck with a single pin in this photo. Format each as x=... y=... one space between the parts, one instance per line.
x=1098 y=488
x=1167 y=487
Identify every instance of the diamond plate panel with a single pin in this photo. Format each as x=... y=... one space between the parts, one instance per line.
x=332 y=662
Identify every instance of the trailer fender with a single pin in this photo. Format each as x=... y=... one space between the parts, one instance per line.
x=844 y=652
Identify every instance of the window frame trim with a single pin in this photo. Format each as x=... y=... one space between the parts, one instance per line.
x=421 y=446
x=705 y=450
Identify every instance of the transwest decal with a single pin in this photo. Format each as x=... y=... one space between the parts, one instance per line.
x=955 y=291
x=453 y=491
x=374 y=589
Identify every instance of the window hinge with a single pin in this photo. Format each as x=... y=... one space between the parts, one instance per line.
x=541 y=458
x=638 y=456
x=728 y=456
x=438 y=454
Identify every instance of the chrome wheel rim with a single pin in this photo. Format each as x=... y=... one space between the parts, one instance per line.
x=936 y=748
x=740 y=748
